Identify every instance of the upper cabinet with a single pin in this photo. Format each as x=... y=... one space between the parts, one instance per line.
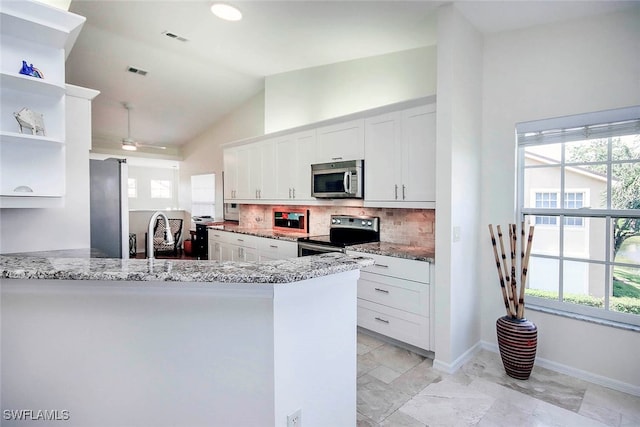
x=400 y=158
x=397 y=143
x=33 y=160
x=294 y=155
x=339 y=142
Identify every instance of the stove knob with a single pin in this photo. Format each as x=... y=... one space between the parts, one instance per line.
x=364 y=222
x=333 y=220
x=369 y=223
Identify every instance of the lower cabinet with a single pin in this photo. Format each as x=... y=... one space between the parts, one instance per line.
x=272 y=249
x=394 y=299
x=229 y=246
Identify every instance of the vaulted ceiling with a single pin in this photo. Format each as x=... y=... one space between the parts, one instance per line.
x=191 y=84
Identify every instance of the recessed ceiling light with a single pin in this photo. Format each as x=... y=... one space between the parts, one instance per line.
x=226 y=12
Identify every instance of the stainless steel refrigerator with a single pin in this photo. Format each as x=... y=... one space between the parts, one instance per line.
x=109 y=207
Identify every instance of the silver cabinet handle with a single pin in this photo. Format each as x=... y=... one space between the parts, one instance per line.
x=384 y=291
x=23 y=189
x=240 y=240
x=294 y=193
x=336 y=158
x=396 y=191
x=380 y=265
x=403 y=188
x=273 y=246
x=289 y=192
x=382 y=320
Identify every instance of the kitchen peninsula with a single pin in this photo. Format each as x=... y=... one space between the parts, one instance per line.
x=172 y=342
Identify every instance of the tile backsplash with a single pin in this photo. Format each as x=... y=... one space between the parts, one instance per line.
x=414 y=227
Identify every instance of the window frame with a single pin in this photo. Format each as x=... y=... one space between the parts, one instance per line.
x=554 y=128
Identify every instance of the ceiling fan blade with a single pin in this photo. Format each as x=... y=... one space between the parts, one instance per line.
x=157 y=147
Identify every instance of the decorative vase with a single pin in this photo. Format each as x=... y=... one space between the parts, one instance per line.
x=517 y=342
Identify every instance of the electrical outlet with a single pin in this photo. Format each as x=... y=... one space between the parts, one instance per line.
x=295 y=419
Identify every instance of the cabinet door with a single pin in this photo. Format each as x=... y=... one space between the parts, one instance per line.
x=342 y=141
x=230 y=164
x=244 y=189
x=267 y=180
x=305 y=151
x=215 y=251
x=285 y=148
x=419 y=153
x=383 y=157
x=294 y=155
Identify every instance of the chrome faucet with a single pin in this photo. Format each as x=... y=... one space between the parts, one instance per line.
x=168 y=235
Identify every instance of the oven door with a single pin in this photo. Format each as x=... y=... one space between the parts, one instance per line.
x=306 y=249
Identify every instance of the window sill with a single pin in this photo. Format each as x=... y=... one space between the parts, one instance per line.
x=584 y=318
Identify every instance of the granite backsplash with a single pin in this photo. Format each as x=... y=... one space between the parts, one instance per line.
x=414 y=227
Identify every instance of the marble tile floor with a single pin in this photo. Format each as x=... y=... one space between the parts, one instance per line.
x=401 y=389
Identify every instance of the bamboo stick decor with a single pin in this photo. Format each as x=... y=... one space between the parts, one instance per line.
x=513 y=300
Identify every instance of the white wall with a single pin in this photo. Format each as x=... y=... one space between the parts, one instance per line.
x=457 y=191
x=204 y=153
x=548 y=71
x=143 y=176
x=305 y=96
x=26 y=230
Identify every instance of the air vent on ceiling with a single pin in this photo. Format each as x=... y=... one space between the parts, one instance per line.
x=175 y=36
x=137 y=70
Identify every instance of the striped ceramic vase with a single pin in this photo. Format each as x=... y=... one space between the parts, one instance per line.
x=517 y=341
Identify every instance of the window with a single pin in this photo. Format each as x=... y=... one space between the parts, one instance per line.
x=160 y=189
x=579 y=183
x=203 y=195
x=132 y=189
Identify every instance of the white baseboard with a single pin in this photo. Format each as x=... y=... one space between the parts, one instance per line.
x=574 y=372
x=451 y=368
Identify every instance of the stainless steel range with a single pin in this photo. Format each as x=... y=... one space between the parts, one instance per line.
x=345 y=230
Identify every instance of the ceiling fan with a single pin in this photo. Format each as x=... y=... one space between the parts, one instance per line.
x=130 y=144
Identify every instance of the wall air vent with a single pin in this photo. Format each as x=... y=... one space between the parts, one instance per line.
x=175 y=36
x=137 y=70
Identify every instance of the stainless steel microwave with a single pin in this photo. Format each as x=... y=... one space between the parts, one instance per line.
x=338 y=180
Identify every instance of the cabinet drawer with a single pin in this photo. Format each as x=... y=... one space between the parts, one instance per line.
x=396 y=324
x=396 y=293
x=274 y=245
x=243 y=240
x=407 y=269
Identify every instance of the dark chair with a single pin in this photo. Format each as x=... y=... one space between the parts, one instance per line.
x=158 y=237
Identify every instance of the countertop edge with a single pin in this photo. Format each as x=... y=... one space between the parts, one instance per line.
x=167 y=270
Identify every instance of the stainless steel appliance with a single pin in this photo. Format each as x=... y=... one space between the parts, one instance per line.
x=345 y=230
x=109 y=207
x=231 y=212
x=338 y=180
x=291 y=219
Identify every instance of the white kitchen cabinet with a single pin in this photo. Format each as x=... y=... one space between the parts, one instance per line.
x=340 y=142
x=394 y=299
x=230 y=246
x=249 y=172
x=293 y=157
x=33 y=166
x=400 y=158
x=230 y=165
x=272 y=249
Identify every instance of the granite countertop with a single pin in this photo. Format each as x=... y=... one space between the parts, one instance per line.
x=417 y=253
x=169 y=270
x=292 y=236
